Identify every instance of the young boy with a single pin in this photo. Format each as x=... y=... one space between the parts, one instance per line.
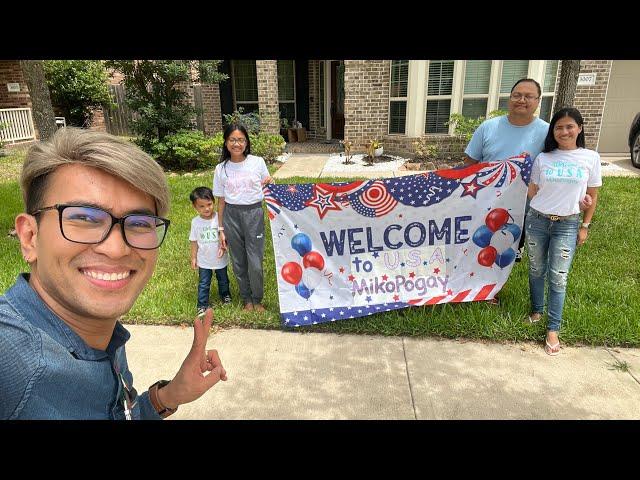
x=206 y=253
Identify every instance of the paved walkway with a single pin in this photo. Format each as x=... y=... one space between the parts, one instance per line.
x=312 y=165
x=293 y=375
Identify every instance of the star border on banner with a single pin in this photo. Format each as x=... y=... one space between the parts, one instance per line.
x=467 y=188
x=318 y=202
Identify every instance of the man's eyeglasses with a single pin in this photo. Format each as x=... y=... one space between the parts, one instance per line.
x=91 y=225
x=238 y=141
x=519 y=96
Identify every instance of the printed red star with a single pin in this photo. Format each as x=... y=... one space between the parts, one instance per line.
x=449 y=292
x=351 y=278
x=323 y=202
x=436 y=271
x=471 y=274
x=385 y=278
x=341 y=269
x=412 y=274
x=396 y=298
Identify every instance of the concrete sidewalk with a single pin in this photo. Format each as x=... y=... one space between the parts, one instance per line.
x=312 y=165
x=294 y=375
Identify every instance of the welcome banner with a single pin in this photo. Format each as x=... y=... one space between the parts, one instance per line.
x=348 y=250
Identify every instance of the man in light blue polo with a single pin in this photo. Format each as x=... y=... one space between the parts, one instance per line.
x=509 y=135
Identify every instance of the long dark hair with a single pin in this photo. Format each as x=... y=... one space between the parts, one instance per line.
x=226 y=154
x=550 y=142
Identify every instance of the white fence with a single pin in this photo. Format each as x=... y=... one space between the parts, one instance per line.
x=18 y=124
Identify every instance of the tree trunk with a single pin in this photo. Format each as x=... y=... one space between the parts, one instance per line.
x=40 y=99
x=567 y=85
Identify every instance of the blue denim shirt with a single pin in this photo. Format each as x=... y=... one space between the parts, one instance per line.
x=48 y=372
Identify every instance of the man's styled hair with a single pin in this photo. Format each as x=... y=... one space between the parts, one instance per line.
x=106 y=152
x=202 y=193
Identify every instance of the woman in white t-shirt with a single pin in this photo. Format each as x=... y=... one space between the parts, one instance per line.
x=561 y=176
x=238 y=182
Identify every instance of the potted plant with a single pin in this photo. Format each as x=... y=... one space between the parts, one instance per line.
x=376 y=148
x=284 y=127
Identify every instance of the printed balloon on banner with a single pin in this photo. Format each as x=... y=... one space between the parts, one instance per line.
x=307 y=279
x=496 y=238
x=301 y=243
x=291 y=273
x=303 y=291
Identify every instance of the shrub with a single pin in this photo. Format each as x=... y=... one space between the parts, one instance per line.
x=185 y=150
x=465 y=126
x=263 y=145
x=251 y=121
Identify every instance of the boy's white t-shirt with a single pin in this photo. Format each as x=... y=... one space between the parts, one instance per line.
x=205 y=232
x=240 y=183
x=563 y=177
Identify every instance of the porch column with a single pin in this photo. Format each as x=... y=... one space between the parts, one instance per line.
x=211 y=109
x=267 y=76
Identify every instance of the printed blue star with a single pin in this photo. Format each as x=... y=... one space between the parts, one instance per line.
x=376 y=254
x=368 y=299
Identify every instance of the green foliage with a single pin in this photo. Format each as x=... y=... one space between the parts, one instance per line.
x=267 y=146
x=185 y=150
x=263 y=145
x=191 y=149
x=152 y=91
x=465 y=126
x=77 y=87
x=250 y=121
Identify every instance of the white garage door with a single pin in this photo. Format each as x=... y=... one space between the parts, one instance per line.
x=622 y=104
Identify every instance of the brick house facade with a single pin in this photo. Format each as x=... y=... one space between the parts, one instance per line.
x=394 y=101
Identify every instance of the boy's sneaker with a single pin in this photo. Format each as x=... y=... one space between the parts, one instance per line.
x=519 y=253
x=226 y=299
x=201 y=311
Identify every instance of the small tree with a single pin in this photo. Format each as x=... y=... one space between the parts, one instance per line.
x=155 y=90
x=77 y=87
x=567 y=84
x=43 y=116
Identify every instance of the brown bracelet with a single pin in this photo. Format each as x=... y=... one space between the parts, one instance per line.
x=163 y=411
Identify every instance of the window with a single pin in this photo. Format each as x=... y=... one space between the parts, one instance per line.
x=473 y=88
x=512 y=71
x=548 y=88
x=245 y=85
x=476 y=88
x=398 y=96
x=321 y=92
x=287 y=90
x=439 y=94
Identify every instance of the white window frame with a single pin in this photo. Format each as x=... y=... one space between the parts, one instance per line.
x=294 y=101
x=417 y=92
x=399 y=99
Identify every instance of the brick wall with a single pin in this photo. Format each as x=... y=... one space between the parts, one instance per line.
x=98 y=122
x=10 y=72
x=590 y=99
x=211 y=109
x=267 y=76
x=366 y=103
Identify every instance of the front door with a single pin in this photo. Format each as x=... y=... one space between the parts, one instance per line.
x=337 y=99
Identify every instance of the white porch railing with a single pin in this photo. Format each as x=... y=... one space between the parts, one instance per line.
x=17 y=123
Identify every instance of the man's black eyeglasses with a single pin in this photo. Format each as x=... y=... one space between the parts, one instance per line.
x=91 y=225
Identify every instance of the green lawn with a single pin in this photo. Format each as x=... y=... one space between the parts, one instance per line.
x=602 y=307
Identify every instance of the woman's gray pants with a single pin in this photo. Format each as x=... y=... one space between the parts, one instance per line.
x=244 y=230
